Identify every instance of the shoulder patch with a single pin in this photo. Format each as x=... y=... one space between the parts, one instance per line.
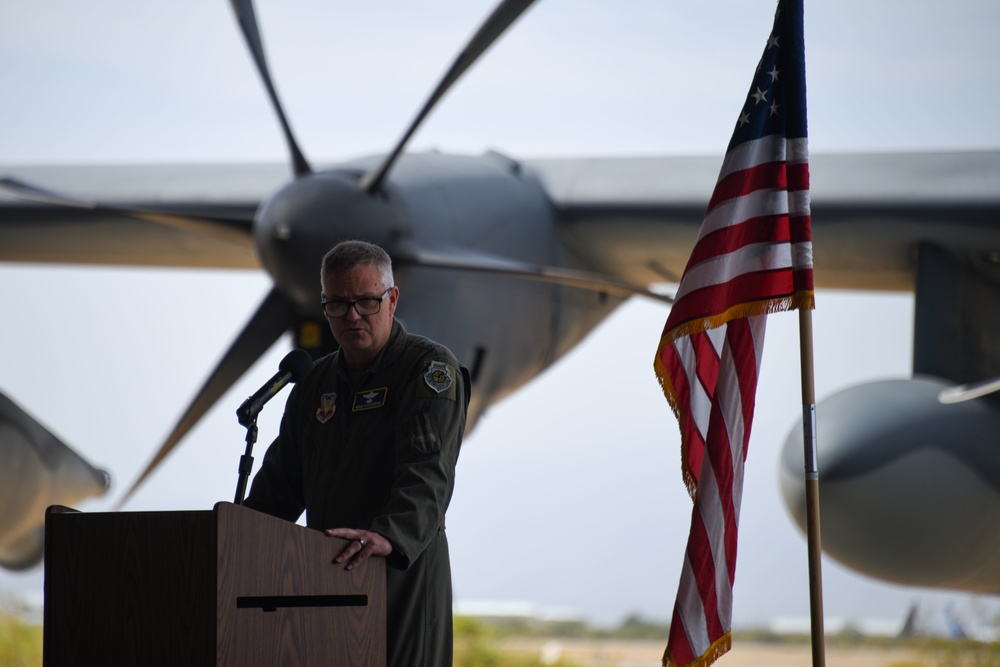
x=439 y=377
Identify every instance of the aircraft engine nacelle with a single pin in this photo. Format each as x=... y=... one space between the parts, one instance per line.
x=909 y=487
x=36 y=470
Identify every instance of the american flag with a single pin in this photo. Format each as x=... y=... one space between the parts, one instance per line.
x=753 y=256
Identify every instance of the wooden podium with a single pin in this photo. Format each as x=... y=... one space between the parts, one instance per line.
x=230 y=586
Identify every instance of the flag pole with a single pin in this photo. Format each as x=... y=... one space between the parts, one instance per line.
x=812 y=486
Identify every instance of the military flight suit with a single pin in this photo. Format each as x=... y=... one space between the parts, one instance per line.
x=378 y=452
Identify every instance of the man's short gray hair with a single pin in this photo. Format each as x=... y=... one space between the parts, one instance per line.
x=349 y=255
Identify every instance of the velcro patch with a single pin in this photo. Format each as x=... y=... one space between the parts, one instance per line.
x=367 y=399
x=327 y=408
x=440 y=379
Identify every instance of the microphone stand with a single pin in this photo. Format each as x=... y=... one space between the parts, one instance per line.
x=246 y=461
x=295 y=366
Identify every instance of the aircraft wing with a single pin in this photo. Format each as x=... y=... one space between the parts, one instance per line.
x=634 y=218
x=88 y=221
x=922 y=222
x=904 y=221
x=637 y=218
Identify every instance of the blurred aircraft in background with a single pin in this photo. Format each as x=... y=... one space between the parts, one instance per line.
x=562 y=243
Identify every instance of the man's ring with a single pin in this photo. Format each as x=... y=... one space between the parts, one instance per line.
x=361 y=541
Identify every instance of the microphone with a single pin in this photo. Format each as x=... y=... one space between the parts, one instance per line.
x=293 y=368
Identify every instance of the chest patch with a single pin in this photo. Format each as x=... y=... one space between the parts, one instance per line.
x=327 y=408
x=368 y=399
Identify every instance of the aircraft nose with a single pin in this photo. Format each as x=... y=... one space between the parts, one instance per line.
x=295 y=227
x=909 y=487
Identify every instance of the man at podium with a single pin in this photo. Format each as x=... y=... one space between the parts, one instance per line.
x=367 y=448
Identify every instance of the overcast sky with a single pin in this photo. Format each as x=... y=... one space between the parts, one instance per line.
x=569 y=493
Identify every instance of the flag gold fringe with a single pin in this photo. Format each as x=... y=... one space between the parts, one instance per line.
x=718 y=649
x=805 y=300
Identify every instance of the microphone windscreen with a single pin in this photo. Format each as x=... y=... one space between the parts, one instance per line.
x=298 y=363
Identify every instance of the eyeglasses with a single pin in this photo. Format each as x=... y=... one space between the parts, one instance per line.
x=369 y=305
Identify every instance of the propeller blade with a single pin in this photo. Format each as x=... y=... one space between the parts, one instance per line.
x=247 y=19
x=468 y=261
x=502 y=17
x=967 y=392
x=273 y=318
x=233 y=229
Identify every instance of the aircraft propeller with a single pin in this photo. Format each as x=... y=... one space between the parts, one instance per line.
x=502 y=17
x=273 y=318
x=279 y=312
x=290 y=230
x=967 y=392
x=247 y=19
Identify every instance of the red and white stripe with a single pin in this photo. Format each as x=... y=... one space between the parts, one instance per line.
x=753 y=256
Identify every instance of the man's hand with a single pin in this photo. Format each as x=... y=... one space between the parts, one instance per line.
x=364 y=543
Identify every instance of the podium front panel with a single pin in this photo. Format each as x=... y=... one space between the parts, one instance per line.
x=225 y=587
x=129 y=588
x=282 y=599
